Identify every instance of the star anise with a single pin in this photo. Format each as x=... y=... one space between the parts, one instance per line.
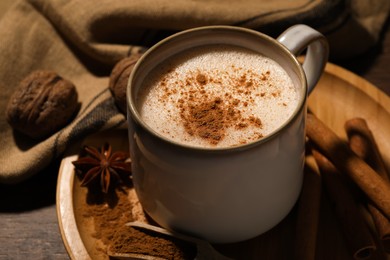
x=103 y=163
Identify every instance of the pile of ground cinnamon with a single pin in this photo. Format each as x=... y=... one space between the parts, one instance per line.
x=110 y=213
x=130 y=239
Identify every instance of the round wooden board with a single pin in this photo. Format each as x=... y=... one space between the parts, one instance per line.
x=339 y=96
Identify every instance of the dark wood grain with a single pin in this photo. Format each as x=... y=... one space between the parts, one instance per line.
x=28 y=221
x=29 y=227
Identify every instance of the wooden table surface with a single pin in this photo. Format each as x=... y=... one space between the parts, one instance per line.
x=28 y=220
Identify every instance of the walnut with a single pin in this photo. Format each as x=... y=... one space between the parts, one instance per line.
x=119 y=78
x=42 y=104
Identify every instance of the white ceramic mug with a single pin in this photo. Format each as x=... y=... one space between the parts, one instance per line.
x=225 y=194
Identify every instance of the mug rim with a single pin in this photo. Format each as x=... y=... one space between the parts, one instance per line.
x=135 y=115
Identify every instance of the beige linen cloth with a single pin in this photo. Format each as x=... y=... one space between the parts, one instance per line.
x=82 y=40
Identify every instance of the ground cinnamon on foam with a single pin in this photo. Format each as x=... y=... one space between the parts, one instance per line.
x=212 y=101
x=210 y=118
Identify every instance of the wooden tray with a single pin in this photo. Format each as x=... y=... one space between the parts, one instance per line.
x=339 y=96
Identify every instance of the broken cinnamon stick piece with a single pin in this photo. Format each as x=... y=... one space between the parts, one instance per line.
x=308 y=212
x=346 y=161
x=362 y=142
x=356 y=232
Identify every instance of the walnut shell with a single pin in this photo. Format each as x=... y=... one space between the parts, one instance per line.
x=119 y=78
x=42 y=104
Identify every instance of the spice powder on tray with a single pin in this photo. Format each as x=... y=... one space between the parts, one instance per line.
x=102 y=216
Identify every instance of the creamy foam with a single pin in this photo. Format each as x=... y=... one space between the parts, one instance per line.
x=217 y=96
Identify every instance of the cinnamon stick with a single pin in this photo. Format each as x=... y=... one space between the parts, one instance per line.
x=356 y=231
x=346 y=161
x=362 y=142
x=308 y=212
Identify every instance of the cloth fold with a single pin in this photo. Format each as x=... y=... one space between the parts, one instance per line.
x=82 y=40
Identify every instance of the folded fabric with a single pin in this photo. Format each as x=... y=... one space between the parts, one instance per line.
x=82 y=40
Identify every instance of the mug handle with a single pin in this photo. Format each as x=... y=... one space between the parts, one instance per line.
x=299 y=37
